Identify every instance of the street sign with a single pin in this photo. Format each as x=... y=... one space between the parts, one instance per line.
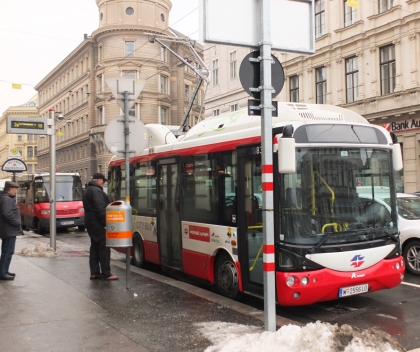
x=250 y=74
x=14 y=165
x=291 y=24
x=115 y=141
x=14 y=154
x=26 y=125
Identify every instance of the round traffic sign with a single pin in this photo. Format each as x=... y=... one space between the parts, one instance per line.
x=115 y=138
x=250 y=73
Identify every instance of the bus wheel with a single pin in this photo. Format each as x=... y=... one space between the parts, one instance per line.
x=22 y=222
x=411 y=256
x=39 y=228
x=227 y=283
x=81 y=228
x=138 y=251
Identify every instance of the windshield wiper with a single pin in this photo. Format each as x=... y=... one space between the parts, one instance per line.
x=368 y=231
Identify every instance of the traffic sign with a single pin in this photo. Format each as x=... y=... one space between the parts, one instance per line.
x=14 y=165
x=26 y=125
x=115 y=139
x=250 y=72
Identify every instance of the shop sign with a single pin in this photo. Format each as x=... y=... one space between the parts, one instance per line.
x=402 y=126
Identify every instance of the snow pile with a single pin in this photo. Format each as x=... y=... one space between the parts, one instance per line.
x=40 y=250
x=314 y=337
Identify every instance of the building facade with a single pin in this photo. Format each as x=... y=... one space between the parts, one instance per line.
x=366 y=60
x=25 y=144
x=122 y=47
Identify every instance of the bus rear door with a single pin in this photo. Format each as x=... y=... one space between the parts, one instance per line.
x=168 y=213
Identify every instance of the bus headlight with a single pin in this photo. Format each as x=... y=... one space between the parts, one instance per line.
x=291 y=281
x=81 y=210
x=45 y=212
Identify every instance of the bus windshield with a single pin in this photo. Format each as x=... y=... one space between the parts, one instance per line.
x=335 y=197
x=68 y=188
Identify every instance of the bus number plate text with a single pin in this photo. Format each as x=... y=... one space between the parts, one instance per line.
x=353 y=290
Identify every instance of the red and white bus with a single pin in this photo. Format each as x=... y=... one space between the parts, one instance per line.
x=33 y=199
x=197 y=201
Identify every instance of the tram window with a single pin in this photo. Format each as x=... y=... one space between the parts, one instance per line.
x=200 y=200
x=143 y=195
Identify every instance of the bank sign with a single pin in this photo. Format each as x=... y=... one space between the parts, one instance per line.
x=402 y=126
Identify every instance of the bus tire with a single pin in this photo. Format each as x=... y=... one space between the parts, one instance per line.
x=81 y=228
x=22 y=222
x=39 y=228
x=411 y=257
x=138 y=251
x=226 y=275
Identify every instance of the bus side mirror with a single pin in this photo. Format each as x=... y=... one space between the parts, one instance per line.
x=287 y=151
x=397 y=160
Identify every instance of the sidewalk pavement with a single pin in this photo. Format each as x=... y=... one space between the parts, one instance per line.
x=53 y=306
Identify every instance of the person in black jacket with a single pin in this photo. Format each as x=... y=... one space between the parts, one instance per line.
x=10 y=227
x=95 y=202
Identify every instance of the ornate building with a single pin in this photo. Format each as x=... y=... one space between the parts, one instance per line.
x=366 y=60
x=122 y=46
x=26 y=144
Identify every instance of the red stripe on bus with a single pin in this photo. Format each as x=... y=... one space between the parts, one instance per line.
x=268 y=266
x=201 y=149
x=267 y=169
x=267 y=186
x=268 y=249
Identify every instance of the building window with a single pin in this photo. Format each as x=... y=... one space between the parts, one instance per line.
x=387 y=69
x=234 y=107
x=319 y=18
x=216 y=112
x=349 y=14
x=163 y=53
x=30 y=152
x=163 y=84
x=352 y=79
x=129 y=49
x=163 y=115
x=20 y=138
x=232 y=65
x=385 y=5
x=215 y=72
x=35 y=151
x=134 y=111
x=129 y=74
x=187 y=93
x=100 y=53
x=100 y=83
x=321 y=85
x=100 y=115
x=294 y=88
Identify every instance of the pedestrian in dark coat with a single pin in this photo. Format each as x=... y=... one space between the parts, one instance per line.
x=10 y=227
x=95 y=202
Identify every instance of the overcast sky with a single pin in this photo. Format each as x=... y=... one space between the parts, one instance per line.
x=35 y=36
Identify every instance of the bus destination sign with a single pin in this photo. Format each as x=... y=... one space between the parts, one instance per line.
x=29 y=125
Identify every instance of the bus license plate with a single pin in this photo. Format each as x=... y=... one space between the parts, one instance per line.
x=353 y=290
x=66 y=222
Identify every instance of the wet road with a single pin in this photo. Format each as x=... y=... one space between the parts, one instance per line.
x=395 y=311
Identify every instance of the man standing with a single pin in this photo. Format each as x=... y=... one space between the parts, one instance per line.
x=95 y=202
x=10 y=227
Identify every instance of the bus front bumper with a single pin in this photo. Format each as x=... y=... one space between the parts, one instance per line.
x=327 y=284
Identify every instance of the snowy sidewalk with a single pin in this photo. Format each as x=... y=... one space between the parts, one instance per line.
x=53 y=306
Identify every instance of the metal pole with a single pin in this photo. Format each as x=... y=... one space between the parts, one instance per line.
x=53 y=229
x=267 y=170
x=127 y=177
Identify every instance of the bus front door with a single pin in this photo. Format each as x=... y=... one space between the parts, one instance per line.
x=168 y=215
x=250 y=229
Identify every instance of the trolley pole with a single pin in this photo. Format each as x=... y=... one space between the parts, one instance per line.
x=53 y=230
x=267 y=169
